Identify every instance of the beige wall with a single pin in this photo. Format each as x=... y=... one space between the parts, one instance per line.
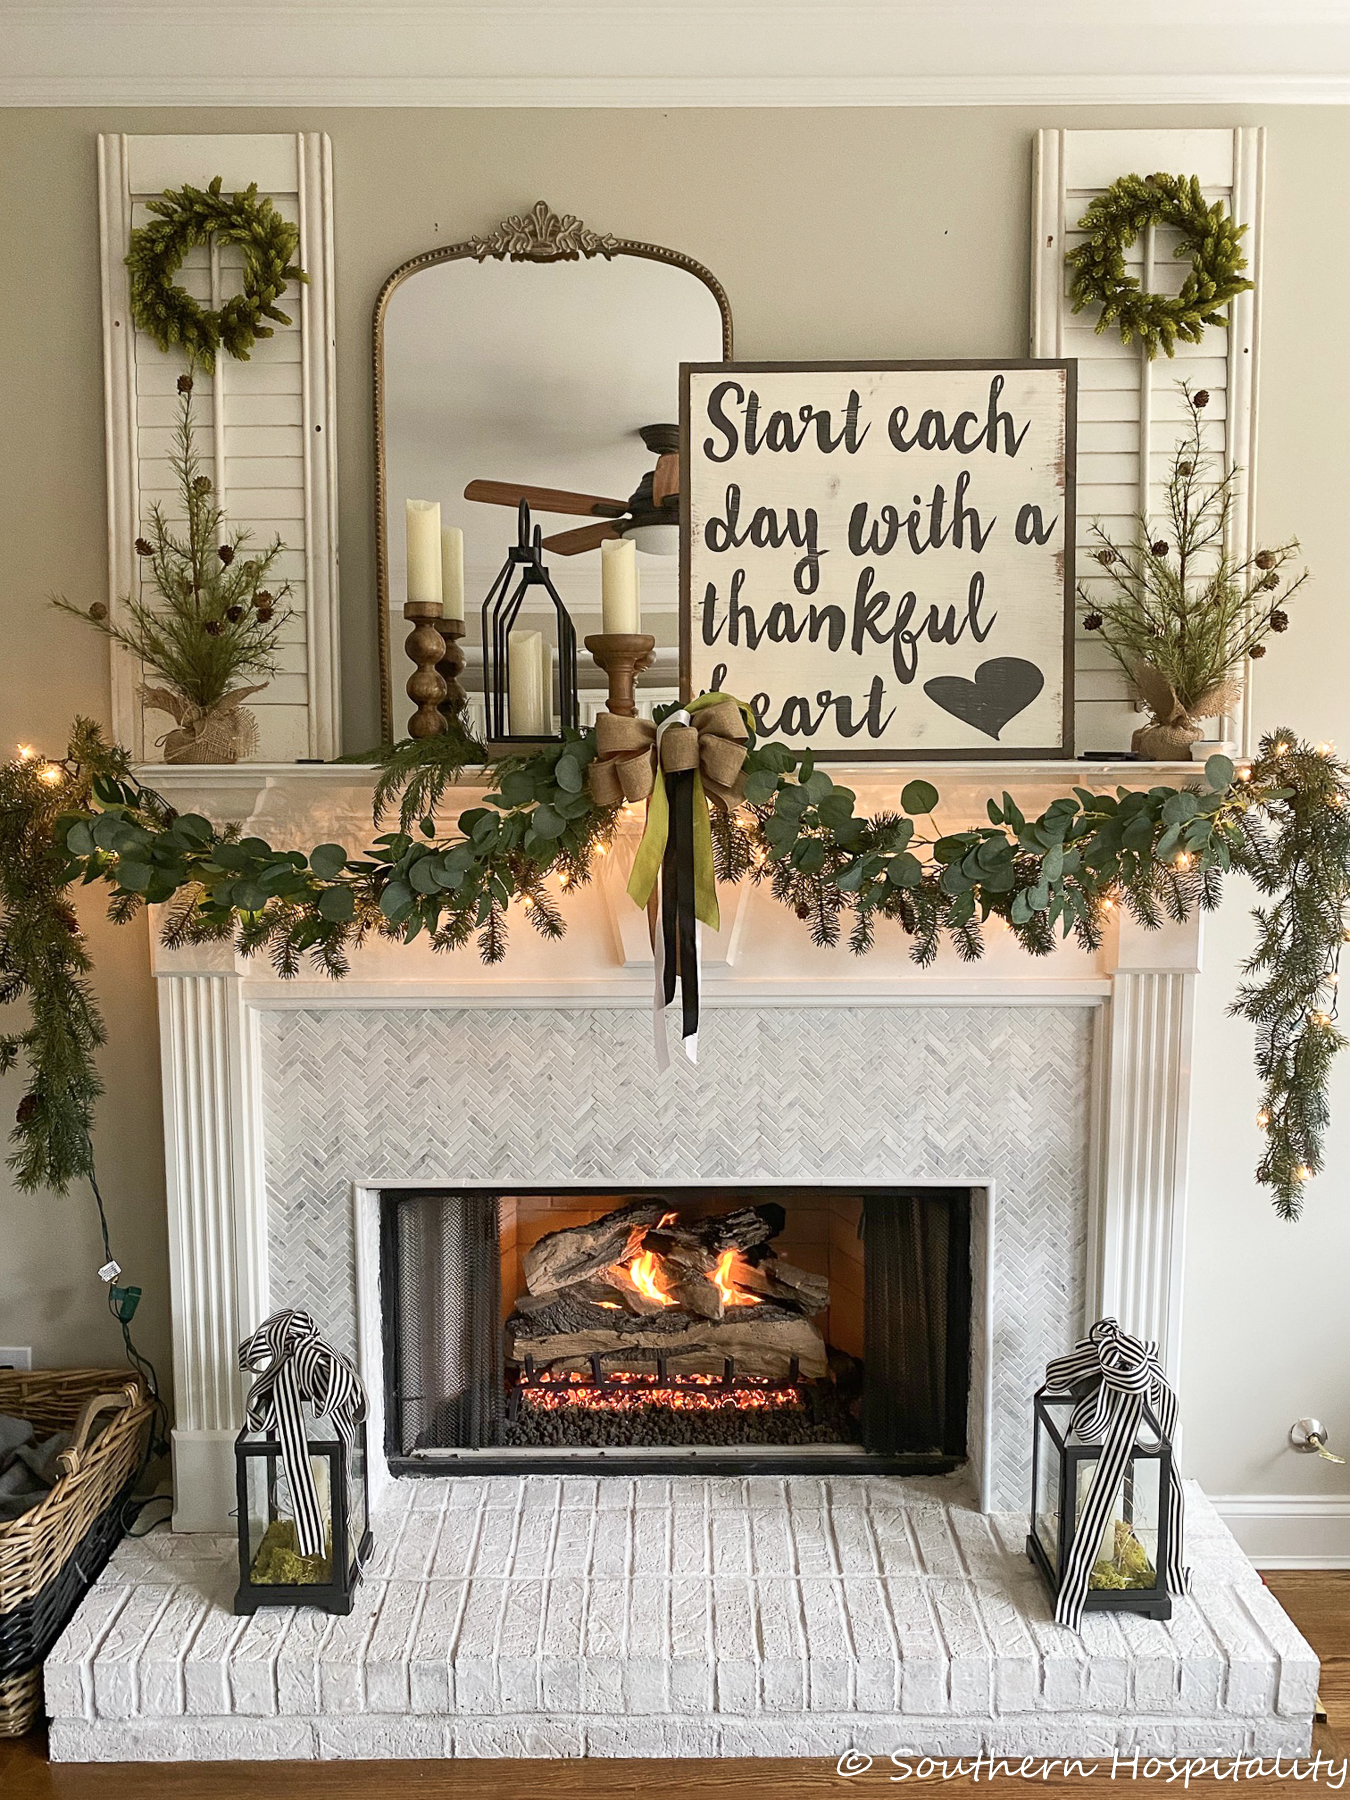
x=836 y=233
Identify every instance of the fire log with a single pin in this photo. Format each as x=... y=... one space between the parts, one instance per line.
x=580 y=1251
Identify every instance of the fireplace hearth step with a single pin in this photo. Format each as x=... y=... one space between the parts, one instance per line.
x=767 y=1616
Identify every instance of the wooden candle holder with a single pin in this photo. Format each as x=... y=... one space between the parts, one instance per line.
x=450 y=668
x=623 y=655
x=426 y=685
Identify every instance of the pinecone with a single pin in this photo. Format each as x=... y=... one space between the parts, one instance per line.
x=1200 y=399
x=24 y=1111
x=264 y=614
x=1185 y=468
x=1107 y=557
x=202 y=485
x=1256 y=650
x=185 y=384
x=226 y=554
x=1271 y=581
x=98 y=610
x=1092 y=621
x=213 y=628
x=144 y=549
x=1279 y=621
x=234 y=614
x=263 y=598
x=1161 y=548
x=1264 y=559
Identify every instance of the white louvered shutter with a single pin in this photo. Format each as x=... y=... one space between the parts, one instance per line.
x=1130 y=413
x=265 y=428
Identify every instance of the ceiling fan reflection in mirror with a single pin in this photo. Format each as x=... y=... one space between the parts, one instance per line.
x=650 y=516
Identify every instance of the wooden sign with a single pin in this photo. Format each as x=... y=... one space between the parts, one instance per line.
x=878 y=557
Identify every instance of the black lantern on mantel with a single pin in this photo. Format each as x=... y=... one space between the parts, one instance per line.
x=521 y=573
x=1106 y=1503
x=302 y=1484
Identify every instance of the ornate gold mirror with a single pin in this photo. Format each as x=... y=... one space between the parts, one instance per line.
x=541 y=355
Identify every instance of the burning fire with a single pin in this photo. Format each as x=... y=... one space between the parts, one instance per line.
x=721 y=1275
x=642 y=1273
x=626 y=1391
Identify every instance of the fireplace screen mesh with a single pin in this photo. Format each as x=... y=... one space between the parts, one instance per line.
x=787 y=1328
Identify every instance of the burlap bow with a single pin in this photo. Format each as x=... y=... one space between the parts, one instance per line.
x=714 y=743
x=707 y=739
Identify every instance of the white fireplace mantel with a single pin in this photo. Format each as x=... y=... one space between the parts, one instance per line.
x=1140 y=987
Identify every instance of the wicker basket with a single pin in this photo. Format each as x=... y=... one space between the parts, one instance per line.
x=52 y=1554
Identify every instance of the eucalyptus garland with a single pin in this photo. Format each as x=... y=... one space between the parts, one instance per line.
x=165 y=310
x=1209 y=237
x=1284 y=820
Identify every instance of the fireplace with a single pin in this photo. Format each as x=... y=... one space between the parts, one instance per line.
x=733 y=1330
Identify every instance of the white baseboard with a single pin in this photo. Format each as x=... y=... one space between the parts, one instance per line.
x=1289 y=1531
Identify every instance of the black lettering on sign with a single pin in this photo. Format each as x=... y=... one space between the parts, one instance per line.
x=931 y=433
x=766 y=532
x=1030 y=529
x=783 y=432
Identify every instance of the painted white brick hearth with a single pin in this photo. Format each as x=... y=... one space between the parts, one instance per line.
x=545 y=1617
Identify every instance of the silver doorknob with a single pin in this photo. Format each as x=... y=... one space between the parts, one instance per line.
x=1310 y=1437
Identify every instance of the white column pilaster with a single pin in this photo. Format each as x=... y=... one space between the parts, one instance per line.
x=217 y=1218
x=1145 y=1048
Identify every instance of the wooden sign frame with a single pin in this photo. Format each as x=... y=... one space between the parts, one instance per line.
x=1061 y=750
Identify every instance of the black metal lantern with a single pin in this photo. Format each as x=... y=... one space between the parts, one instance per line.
x=272 y=1569
x=1133 y=1549
x=501 y=611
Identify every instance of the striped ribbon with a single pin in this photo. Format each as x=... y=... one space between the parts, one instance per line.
x=294 y=1366
x=1125 y=1381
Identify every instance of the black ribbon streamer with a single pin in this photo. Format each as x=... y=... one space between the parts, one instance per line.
x=678 y=922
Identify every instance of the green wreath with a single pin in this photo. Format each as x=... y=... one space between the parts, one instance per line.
x=1209 y=237
x=168 y=313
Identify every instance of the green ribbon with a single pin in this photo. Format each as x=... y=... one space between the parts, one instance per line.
x=652 y=849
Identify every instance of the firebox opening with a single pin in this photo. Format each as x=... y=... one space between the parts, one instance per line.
x=784 y=1328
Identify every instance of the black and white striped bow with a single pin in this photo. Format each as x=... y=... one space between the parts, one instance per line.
x=295 y=1366
x=1123 y=1376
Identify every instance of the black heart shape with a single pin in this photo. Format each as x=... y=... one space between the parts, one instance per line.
x=1002 y=688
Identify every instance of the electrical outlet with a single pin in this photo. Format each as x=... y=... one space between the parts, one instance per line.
x=16 y=1356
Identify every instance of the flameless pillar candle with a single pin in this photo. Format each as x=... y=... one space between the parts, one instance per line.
x=424 y=551
x=619 y=586
x=452 y=572
x=526 y=687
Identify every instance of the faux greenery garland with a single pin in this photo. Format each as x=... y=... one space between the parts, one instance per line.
x=191 y=216
x=1284 y=821
x=1209 y=237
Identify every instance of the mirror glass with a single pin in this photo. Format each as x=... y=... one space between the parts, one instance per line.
x=536 y=372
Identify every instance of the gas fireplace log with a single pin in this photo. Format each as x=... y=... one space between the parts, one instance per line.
x=741 y=1229
x=580 y=1251
x=785 y=1281
x=762 y=1339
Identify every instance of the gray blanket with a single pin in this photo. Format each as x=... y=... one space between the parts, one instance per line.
x=28 y=1469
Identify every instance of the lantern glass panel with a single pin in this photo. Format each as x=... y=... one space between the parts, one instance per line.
x=1045 y=1521
x=357 y=1521
x=274 y=1553
x=1127 y=1556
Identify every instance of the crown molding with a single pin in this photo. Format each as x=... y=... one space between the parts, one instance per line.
x=673 y=53
x=1104 y=89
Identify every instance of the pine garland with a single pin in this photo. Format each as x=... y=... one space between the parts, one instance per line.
x=1284 y=821
x=1209 y=237
x=191 y=216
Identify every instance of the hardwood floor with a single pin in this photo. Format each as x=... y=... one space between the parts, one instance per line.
x=1318 y=1601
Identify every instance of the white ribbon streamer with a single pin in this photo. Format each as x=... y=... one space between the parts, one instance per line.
x=1126 y=1377
x=295 y=1365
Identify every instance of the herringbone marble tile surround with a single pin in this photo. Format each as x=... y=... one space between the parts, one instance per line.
x=958 y=1093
